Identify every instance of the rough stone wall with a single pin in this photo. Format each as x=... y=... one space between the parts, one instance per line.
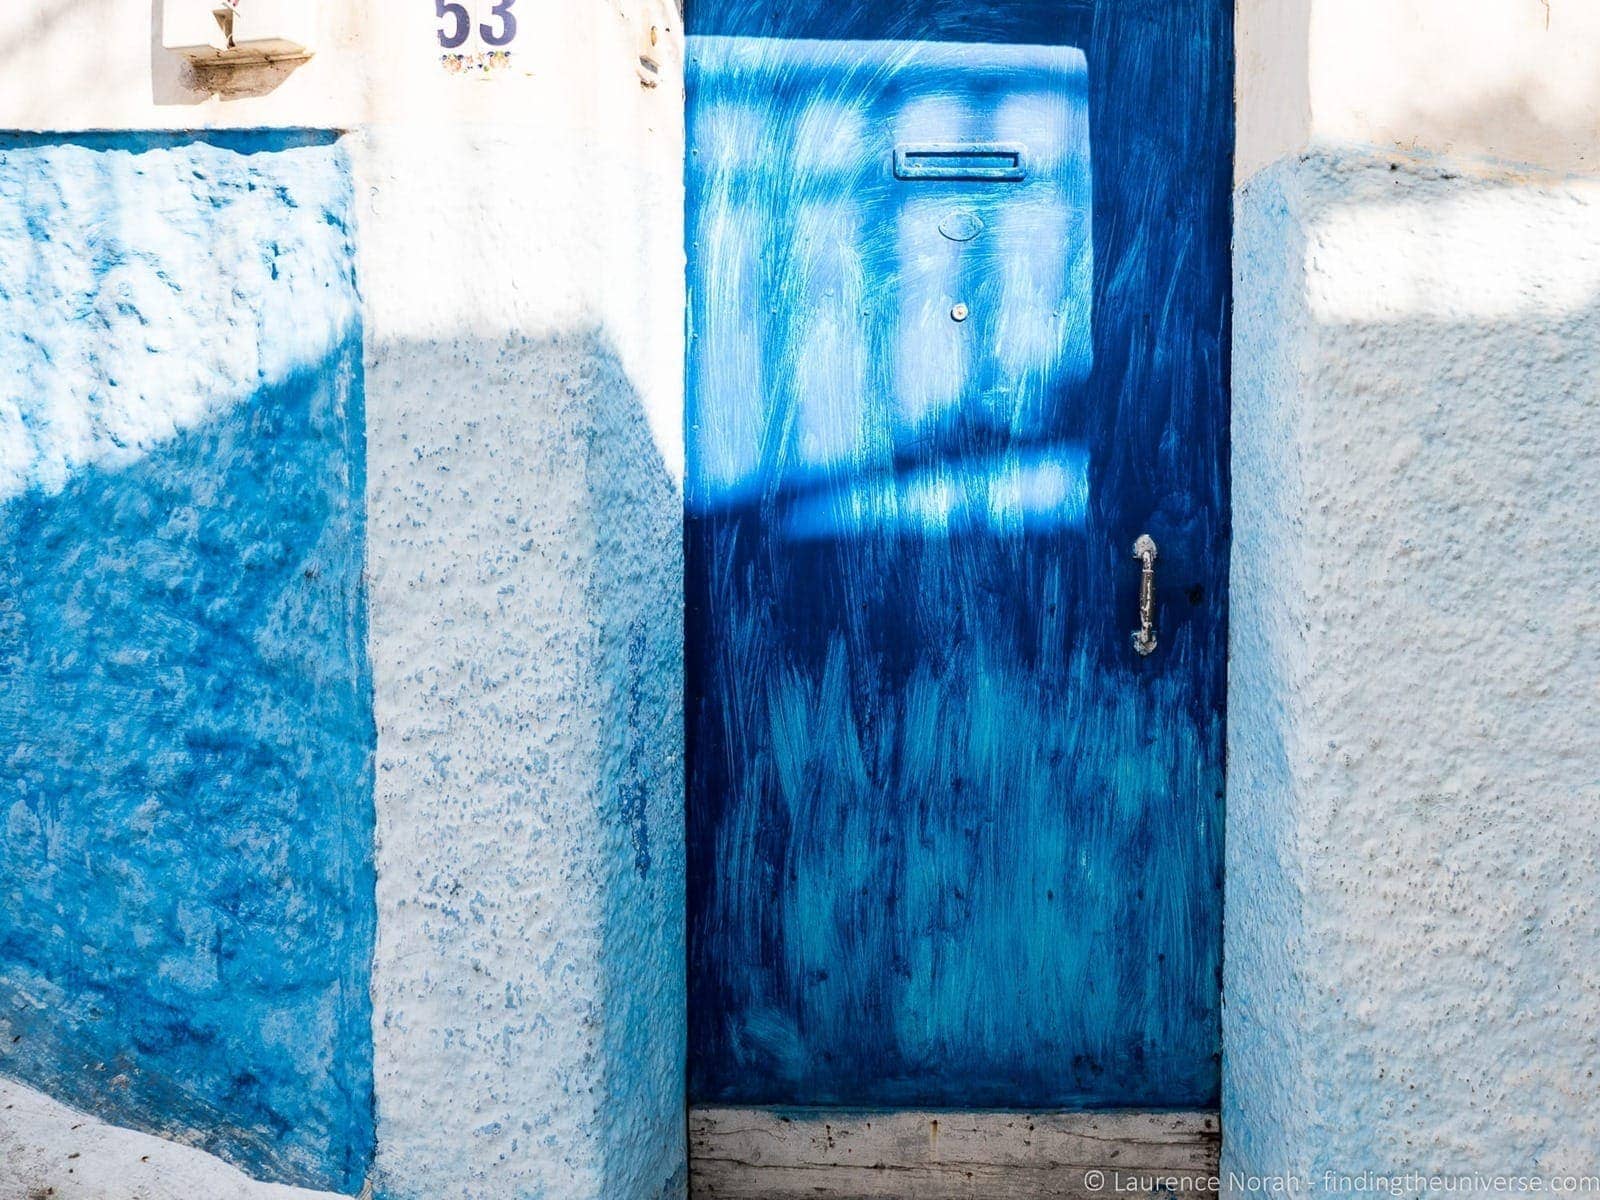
x=186 y=912
x=1411 y=980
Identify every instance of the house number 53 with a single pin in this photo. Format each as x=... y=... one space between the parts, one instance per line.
x=497 y=32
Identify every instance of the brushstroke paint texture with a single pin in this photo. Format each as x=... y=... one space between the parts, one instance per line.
x=951 y=842
x=185 y=712
x=828 y=284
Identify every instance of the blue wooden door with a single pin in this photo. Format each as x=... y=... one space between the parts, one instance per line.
x=958 y=321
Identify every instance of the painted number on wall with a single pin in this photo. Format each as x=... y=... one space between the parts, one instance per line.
x=457 y=24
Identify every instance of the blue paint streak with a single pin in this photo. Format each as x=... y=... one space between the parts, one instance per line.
x=1043 y=491
x=241 y=142
x=951 y=843
x=187 y=915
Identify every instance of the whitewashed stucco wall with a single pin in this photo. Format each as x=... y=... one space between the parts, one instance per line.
x=1509 y=81
x=521 y=264
x=523 y=272
x=1413 y=733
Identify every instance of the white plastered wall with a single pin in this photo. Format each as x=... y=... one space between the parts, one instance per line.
x=522 y=266
x=522 y=260
x=1507 y=81
x=1412 y=932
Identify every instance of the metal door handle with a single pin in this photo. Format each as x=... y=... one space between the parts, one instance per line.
x=1144 y=637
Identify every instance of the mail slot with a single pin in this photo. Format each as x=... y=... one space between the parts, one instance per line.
x=993 y=162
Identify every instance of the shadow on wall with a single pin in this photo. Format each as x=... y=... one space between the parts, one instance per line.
x=185 y=936
x=637 y=594
x=527 y=582
x=1410 y=956
x=185 y=703
x=188 y=898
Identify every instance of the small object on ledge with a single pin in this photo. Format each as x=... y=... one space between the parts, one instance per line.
x=216 y=34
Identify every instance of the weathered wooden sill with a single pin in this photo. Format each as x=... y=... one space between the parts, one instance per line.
x=821 y=1154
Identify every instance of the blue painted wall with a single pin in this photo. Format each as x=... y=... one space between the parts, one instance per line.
x=186 y=913
x=951 y=841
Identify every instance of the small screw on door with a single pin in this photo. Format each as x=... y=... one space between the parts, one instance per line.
x=959 y=313
x=1144 y=637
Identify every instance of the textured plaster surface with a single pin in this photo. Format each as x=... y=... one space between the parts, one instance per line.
x=1272 y=81
x=1486 y=80
x=1492 y=80
x=524 y=334
x=51 y=1152
x=1414 y=725
x=186 y=908
x=525 y=531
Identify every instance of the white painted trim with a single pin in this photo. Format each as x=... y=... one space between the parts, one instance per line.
x=821 y=1154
